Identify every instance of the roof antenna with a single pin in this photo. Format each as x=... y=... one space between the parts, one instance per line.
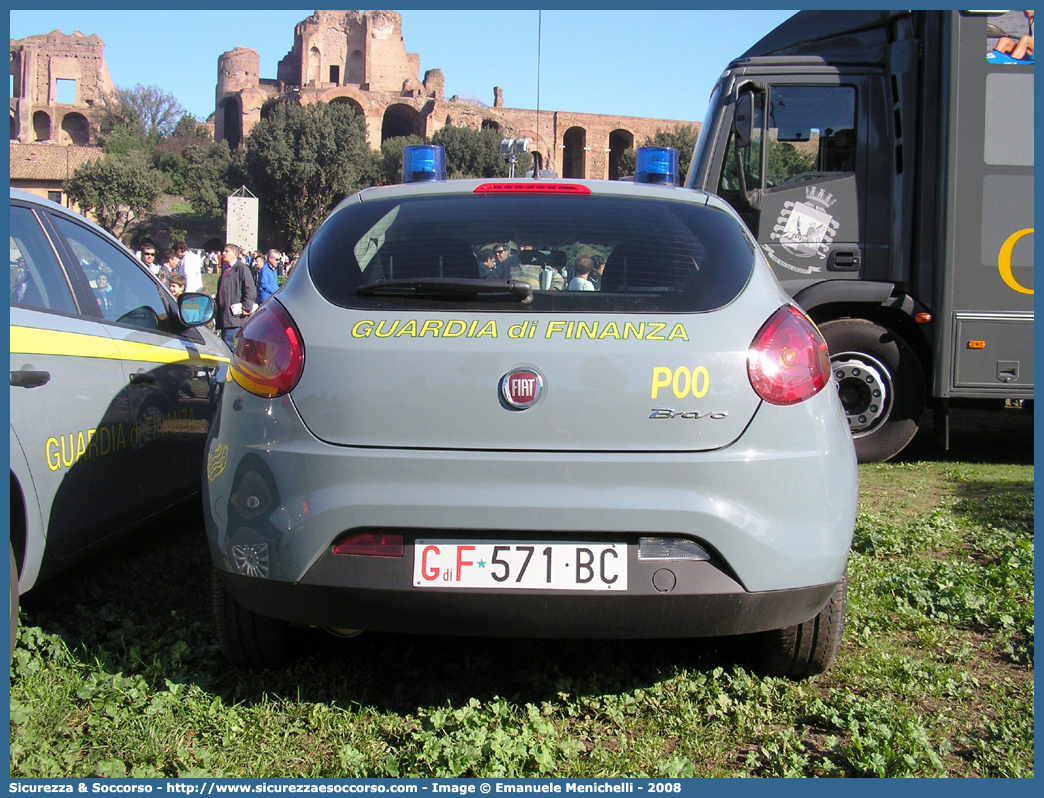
x=538 y=159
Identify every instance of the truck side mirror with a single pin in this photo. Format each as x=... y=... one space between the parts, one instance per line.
x=743 y=120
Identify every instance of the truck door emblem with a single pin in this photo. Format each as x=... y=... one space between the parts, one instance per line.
x=805 y=229
x=521 y=388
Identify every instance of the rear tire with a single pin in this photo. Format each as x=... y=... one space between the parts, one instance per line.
x=14 y=601
x=808 y=648
x=880 y=383
x=247 y=639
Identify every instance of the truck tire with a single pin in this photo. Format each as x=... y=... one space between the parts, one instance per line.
x=14 y=601
x=247 y=639
x=807 y=648
x=880 y=383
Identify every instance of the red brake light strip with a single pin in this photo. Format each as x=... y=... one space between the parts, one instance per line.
x=536 y=187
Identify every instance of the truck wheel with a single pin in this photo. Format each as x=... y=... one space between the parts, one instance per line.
x=808 y=648
x=247 y=639
x=880 y=384
x=14 y=601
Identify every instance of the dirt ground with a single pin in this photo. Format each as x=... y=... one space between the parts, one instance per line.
x=977 y=436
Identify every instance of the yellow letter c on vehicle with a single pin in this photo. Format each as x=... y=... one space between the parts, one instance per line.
x=1005 y=262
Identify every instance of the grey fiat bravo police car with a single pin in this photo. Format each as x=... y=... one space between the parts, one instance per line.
x=113 y=389
x=617 y=426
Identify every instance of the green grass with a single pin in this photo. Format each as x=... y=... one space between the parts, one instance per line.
x=181 y=208
x=116 y=672
x=210 y=282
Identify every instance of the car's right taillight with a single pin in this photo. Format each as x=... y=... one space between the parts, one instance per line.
x=788 y=361
x=268 y=356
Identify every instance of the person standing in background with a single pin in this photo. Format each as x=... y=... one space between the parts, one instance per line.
x=236 y=294
x=267 y=280
x=191 y=267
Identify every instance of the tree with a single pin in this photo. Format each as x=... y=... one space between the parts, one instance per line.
x=682 y=138
x=116 y=189
x=125 y=140
x=169 y=155
x=300 y=162
x=147 y=109
x=391 y=158
x=188 y=127
x=210 y=175
x=476 y=153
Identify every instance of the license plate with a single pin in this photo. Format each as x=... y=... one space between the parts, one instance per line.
x=491 y=565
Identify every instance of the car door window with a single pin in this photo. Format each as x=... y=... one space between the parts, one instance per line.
x=124 y=292
x=37 y=279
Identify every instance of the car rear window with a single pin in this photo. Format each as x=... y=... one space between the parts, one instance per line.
x=649 y=255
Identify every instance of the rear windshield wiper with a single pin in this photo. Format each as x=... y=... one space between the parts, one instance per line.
x=451 y=289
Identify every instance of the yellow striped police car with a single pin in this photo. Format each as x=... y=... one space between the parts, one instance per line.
x=113 y=390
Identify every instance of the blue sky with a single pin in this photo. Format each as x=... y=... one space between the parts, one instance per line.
x=659 y=64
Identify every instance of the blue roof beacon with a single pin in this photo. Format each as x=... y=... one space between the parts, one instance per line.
x=425 y=163
x=657 y=165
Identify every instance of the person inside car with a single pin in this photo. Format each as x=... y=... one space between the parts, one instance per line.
x=582 y=268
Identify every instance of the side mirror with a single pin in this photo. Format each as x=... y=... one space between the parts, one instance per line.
x=743 y=120
x=195 y=310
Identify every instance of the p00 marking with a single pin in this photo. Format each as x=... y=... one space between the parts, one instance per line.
x=684 y=382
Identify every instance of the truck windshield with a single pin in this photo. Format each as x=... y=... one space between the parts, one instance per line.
x=705 y=135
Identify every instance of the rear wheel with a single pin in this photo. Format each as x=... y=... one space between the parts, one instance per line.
x=247 y=639
x=880 y=383
x=808 y=648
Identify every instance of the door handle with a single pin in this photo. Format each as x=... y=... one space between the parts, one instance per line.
x=30 y=379
x=142 y=378
x=843 y=261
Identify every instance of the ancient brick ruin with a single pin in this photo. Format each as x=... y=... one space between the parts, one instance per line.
x=58 y=79
x=359 y=58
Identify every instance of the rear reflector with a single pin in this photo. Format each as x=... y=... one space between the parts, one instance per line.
x=788 y=360
x=371 y=544
x=536 y=187
x=670 y=549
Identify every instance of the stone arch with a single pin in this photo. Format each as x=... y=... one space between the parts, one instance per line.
x=401 y=120
x=233 y=116
x=351 y=102
x=491 y=124
x=619 y=142
x=315 y=64
x=356 y=68
x=77 y=129
x=574 y=155
x=41 y=126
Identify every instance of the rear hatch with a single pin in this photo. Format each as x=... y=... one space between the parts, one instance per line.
x=652 y=359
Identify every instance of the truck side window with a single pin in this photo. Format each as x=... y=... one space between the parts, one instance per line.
x=811 y=133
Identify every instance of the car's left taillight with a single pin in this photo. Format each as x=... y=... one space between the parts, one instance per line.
x=268 y=355
x=787 y=361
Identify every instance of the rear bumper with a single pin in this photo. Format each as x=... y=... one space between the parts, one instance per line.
x=776 y=517
x=375 y=594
